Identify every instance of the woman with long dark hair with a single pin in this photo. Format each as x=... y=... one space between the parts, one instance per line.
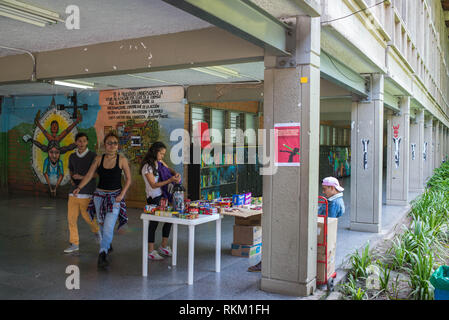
x=108 y=202
x=151 y=166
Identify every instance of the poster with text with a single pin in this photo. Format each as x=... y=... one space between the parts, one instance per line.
x=141 y=117
x=287 y=144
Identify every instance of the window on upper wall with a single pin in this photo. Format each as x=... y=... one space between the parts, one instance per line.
x=217 y=123
x=251 y=129
x=235 y=122
x=334 y=136
x=199 y=115
x=220 y=120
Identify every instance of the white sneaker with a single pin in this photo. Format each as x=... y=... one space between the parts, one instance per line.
x=165 y=251
x=72 y=248
x=153 y=255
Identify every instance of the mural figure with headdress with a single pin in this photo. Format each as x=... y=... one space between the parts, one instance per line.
x=53 y=168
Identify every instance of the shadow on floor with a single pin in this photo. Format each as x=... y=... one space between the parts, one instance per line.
x=34 y=233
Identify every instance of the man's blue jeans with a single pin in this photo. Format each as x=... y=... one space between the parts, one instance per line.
x=106 y=226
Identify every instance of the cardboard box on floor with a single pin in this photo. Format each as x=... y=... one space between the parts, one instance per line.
x=247 y=235
x=255 y=220
x=321 y=269
x=246 y=251
x=332 y=225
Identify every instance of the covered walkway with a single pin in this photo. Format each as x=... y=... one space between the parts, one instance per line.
x=33 y=235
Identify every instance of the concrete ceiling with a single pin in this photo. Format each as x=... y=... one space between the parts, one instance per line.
x=247 y=72
x=100 y=21
x=105 y=21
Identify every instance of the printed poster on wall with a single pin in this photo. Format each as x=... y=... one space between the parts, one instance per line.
x=141 y=117
x=287 y=144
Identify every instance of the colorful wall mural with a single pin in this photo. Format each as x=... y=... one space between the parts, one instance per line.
x=40 y=136
x=335 y=161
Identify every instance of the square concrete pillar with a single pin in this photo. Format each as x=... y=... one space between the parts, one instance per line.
x=439 y=153
x=398 y=138
x=417 y=169
x=436 y=145
x=443 y=144
x=428 y=148
x=292 y=94
x=366 y=159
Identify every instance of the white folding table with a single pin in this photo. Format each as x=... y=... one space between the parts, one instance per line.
x=191 y=223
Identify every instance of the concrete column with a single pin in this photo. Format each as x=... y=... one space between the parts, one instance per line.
x=291 y=194
x=432 y=166
x=366 y=159
x=445 y=144
x=441 y=144
x=417 y=169
x=438 y=133
x=398 y=156
x=428 y=148
x=436 y=145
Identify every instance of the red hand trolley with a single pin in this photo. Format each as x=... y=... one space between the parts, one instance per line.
x=328 y=281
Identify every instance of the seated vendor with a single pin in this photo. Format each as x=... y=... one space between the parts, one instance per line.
x=334 y=194
x=336 y=207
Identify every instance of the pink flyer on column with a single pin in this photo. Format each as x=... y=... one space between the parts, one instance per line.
x=287 y=144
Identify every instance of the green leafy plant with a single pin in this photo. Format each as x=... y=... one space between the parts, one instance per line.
x=360 y=294
x=420 y=273
x=384 y=276
x=399 y=253
x=394 y=289
x=359 y=263
x=351 y=291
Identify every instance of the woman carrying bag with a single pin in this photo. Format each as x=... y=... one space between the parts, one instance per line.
x=157 y=176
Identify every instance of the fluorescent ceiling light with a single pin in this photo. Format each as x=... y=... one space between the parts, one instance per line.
x=224 y=70
x=149 y=78
x=74 y=84
x=28 y=13
x=219 y=71
x=211 y=72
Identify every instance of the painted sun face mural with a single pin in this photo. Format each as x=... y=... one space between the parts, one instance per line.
x=51 y=145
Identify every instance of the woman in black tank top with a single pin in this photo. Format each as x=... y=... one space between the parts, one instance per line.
x=110 y=179
x=108 y=202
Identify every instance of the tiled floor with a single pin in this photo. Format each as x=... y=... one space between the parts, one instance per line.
x=34 y=233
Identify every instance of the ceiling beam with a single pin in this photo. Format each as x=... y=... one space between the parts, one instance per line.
x=242 y=18
x=310 y=7
x=197 y=48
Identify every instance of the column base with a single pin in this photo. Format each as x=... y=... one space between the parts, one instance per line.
x=391 y=202
x=288 y=288
x=365 y=227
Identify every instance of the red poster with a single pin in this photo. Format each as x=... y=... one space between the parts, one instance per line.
x=287 y=144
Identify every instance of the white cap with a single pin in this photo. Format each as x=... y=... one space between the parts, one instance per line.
x=332 y=182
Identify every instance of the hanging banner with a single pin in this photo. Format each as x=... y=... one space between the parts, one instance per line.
x=287 y=144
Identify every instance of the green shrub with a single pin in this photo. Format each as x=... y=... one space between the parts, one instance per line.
x=420 y=273
x=359 y=263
